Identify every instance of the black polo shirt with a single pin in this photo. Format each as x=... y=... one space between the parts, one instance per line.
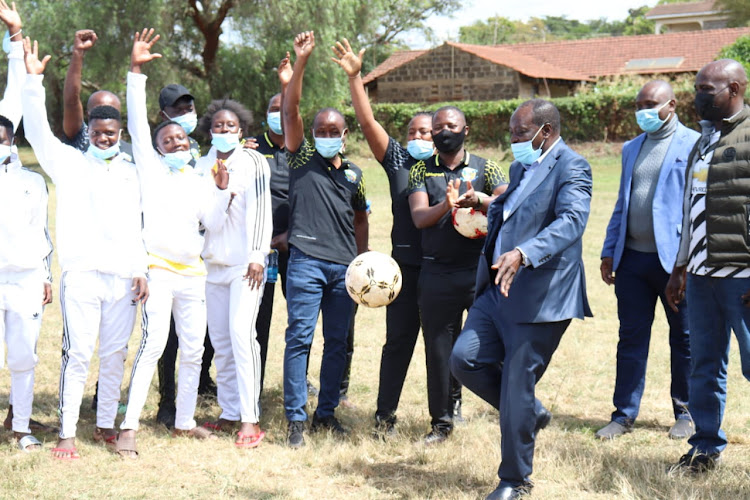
x=443 y=248
x=322 y=201
x=405 y=237
x=276 y=157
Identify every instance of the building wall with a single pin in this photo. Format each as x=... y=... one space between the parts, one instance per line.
x=447 y=74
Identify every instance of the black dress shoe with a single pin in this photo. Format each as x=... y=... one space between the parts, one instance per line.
x=509 y=492
x=542 y=420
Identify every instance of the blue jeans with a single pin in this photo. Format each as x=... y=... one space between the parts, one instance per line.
x=639 y=282
x=715 y=308
x=315 y=285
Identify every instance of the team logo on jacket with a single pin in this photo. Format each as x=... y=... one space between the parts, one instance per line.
x=468 y=174
x=351 y=176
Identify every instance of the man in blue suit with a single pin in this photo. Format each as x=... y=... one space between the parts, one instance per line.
x=640 y=248
x=534 y=245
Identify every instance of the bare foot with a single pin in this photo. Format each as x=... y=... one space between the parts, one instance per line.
x=29 y=444
x=221 y=425
x=125 y=445
x=106 y=436
x=195 y=432
x=66 y=449
x=249 y=435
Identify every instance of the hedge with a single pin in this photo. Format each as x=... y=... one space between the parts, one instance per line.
x=593 y=116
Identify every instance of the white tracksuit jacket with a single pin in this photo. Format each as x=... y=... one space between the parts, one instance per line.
x=245 y=236
x=98 y=202
x=24 y=239
x=173 y=203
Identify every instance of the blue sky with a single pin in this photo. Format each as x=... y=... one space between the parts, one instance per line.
x=446 y=28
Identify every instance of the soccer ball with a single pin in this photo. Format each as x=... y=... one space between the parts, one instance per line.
x=470 y=223
x=373 y=279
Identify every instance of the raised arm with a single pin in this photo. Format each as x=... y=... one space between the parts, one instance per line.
x=351 y=63
x=48 y=149
x=72 y=106
x=10 y=106
x=294 y=132
x=140 y=132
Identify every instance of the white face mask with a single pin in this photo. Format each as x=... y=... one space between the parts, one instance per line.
x=5 y=152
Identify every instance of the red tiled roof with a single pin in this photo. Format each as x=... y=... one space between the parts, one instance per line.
x=394 y=61
x=607 y=56
x=677 y=9
x=592 y=57
x=527 y=65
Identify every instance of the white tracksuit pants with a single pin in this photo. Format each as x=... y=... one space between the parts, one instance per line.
x=93 y=303
x=20 y=321
x=232 y=311
x=185 y=298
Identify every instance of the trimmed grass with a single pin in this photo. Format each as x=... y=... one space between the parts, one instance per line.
x=569 y=463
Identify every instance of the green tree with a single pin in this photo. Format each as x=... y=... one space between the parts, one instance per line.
x=739 y=51
x=739 y=11
x=493 y=31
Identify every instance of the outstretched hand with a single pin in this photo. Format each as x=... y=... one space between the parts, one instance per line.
x=221 y=174
x=84 y=40
x=285 y=71
x=11 y=18
x=31 y=57
x=304 y=43
x=141 y=54
x=347 y=59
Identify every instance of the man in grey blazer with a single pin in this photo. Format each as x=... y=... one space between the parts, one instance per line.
x=530 y=284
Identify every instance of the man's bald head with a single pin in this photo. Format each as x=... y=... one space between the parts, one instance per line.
x=659 y=89
x=720 y=90
x=102 y=98
x=656 y=94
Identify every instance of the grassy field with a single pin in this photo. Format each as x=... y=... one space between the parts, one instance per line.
x=569 y=463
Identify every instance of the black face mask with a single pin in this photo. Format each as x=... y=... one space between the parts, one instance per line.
x=704 y=106
x=449 y=142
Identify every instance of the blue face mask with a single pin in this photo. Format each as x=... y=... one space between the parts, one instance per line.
x=225 y=142
x=524 y=152
x=188 y=121
x=274 y=122
x=104 y=154
x=6 y=43
x=648 y=119
x=419 y=149
x=176 y=161
x=328 y=147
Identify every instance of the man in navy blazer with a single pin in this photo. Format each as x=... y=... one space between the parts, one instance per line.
x=530 y=284
x=643 y=236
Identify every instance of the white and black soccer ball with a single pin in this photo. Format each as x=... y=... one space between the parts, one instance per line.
x=470 y=223
x=373 y=279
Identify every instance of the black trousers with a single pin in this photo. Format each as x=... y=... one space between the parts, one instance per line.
x=168 y=361
x=443 y=297
x=401 y=331
x=265 y=312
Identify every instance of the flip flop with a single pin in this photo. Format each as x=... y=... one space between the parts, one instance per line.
x=195 y=432
x=125 y=447
x=67 y=454
x=217 y=427
x=249 y=440
x=101 y=437
x=26 y=442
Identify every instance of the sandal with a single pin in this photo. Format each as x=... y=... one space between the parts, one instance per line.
x=26 y=444
x=249 y=440
x=125 y=447
x=217 y=426
x=101 y=436
x=195 y=432
x=65 y=453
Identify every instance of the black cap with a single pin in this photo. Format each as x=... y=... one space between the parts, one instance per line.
x=171 y=93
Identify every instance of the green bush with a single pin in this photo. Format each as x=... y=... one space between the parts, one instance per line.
x=606 y=115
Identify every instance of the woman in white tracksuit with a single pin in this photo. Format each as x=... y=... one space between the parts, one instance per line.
x=235 y=257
